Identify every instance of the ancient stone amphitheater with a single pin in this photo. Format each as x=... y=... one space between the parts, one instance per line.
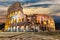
x=17 y=21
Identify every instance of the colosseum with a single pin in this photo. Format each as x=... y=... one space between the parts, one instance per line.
x=17 y=21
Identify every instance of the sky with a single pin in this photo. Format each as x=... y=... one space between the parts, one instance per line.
x=54 y=5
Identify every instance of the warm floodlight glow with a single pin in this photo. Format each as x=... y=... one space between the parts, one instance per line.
x=19 y=12
x=20 y=22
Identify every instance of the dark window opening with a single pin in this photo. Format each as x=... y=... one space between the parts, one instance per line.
x=2 y=26
x=57 y=26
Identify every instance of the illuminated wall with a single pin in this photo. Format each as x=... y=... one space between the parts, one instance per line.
x=15 y=15
x=17 y=21
x=46 y=21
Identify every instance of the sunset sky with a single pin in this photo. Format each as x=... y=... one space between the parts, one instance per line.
x=54 y=5
x=51 y=7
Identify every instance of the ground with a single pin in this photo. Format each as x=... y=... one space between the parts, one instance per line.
x=29 y=36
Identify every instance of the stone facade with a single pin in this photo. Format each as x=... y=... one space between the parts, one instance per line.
x=17 y=21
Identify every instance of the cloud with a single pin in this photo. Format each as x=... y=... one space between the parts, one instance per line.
x=25 y=0
x=14 y=0
x=55 y=7
x=41 y=3
x=22 y=0
x=2 y=0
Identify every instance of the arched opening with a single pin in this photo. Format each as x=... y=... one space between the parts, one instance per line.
x=57 y=26
x=2 y=26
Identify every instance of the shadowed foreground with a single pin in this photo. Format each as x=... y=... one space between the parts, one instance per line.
x=29 y=36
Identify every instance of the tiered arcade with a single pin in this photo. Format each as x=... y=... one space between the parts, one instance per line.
x=17 y=21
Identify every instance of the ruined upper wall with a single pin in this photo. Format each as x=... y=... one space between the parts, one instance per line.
x=15 y=7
